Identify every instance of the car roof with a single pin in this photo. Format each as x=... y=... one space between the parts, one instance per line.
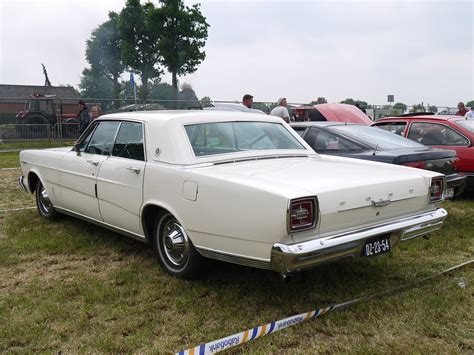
x=189 y=116
x=423 y=117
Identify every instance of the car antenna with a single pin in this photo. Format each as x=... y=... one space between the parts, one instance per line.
x=376 y=147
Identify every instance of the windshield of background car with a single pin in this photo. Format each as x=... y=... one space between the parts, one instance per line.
x=467 y=124
x=231 y=137
x=376 y=137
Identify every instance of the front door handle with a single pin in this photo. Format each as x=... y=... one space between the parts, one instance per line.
x=135 y=170
x=93 y=162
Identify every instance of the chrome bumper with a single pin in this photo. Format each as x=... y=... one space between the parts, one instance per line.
x=289 y=258
x=21 y=180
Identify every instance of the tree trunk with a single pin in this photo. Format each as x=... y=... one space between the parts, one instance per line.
x=175 y=90
x=116 y=91
x=144 y=90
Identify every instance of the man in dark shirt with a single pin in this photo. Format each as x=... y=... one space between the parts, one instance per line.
x=83 y=116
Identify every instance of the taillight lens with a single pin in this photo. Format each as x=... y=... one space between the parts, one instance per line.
x=437 y=189
x=302 y=214
x=416 y=164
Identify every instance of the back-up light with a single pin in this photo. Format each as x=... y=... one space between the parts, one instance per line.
x=437 y=189
x=416 y=164
x=302 y=214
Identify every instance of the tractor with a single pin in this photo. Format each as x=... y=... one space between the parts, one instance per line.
x=41 y=110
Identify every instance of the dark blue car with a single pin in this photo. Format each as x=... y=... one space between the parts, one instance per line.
x=371 y=143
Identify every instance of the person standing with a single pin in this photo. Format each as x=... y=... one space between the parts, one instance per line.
x=95 y=112
x=462 y=109
x=247 y=100
x=470 y=113
x=83 y=116
x=281 y=110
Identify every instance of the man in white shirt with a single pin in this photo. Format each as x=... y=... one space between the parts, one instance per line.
x=470 y=114
x=281 y=110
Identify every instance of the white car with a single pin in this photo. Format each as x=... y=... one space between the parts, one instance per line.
x=243 y=188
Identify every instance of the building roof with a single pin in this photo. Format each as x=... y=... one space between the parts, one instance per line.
x=23 y=91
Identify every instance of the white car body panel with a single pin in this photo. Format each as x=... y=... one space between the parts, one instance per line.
x=232 y=204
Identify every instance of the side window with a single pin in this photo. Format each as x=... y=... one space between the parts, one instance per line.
x=129 y=141
x=329 y=142
x=394 y=127
x=435 y=134
x=83 y=144
x=102 y=138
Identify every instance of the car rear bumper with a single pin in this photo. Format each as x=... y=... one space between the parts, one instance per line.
x=457 y=182
x=295 y=257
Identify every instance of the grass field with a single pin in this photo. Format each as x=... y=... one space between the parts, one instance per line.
x=73 y=287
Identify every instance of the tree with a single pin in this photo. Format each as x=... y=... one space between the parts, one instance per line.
x=433 y=108
x=184 y=34
x=140 y=41
x=470 y=103
x=187 y=97
x=95 y=85
x=205 y=101
x=350 y=101
x=418 y=108
x=162 y=92
x=400 y=106
x=104 y=52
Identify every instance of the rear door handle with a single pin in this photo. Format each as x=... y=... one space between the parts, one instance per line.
x=135 y=170
x=93 y=162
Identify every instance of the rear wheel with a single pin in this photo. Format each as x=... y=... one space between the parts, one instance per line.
x=44 y=204
x=175 y=251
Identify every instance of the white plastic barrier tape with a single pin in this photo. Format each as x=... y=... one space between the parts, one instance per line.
x=258 y=332
x=6 y=169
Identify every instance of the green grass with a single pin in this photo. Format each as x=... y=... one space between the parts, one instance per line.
x=73 y=287
x=34 y=144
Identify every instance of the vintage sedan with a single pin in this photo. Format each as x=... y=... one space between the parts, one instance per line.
x=243 y=188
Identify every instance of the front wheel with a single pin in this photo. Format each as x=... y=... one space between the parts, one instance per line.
x=44 y=204
x=175 y=251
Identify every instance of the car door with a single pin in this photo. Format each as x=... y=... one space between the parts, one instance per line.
x=120 y=179
x=79 y=169
x=441 y=136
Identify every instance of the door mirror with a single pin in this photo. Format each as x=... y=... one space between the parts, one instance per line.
x=75 y=147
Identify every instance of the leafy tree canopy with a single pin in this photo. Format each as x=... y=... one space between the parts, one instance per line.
x=140 y=42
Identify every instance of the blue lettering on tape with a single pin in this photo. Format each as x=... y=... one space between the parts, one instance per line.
x=221 y=345
x=289 y=322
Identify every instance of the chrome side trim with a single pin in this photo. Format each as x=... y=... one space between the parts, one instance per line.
x=234 y=259
x=288 y=258
x=101 y=224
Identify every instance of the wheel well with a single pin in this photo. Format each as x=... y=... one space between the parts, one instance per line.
x=32 y=181
x=150 y=214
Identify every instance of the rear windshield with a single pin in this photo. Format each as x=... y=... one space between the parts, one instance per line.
x=231 y=137
x=376 y=137
x=467 y=124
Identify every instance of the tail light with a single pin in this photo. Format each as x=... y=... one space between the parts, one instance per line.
x=416 y=164
x=302 y=214
x=437 y=189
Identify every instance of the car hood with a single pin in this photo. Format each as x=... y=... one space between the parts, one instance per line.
x=343 y=113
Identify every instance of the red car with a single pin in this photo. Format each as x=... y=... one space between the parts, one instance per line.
x=445 y=132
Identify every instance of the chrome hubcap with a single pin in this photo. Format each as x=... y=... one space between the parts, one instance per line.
x=44 y=200
x=175 y=243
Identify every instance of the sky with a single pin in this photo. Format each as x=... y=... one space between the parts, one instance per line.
x=418 y=51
